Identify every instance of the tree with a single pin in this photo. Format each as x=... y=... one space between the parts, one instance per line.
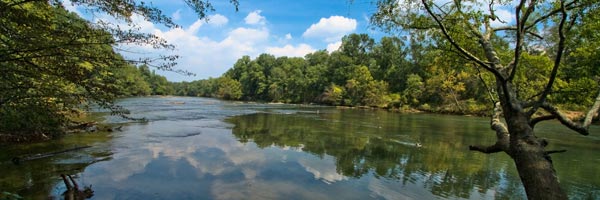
x=229 y=89
x=333 y=95
x=390 y=63
x=471 y=24
x=414 y=89
x=53 y=62
x=131 y=82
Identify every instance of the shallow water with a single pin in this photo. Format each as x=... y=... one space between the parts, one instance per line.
x=198 y=148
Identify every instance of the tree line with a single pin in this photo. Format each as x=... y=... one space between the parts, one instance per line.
x=394 y=72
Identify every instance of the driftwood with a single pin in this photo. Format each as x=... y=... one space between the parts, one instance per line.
x=73 y=192
x=19 y=160
x=92 y=126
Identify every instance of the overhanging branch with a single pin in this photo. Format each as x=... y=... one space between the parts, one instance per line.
x=502 y=135
x=557 y=60
x=468 y=54
x=579 y=128
x=536 y=120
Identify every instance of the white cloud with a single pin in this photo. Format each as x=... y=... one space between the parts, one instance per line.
x=288 y=36
x=176 y=15
x=247 y=36
x=208 y=57
x=71 y=7
x=201 y=55
x=254 y=18
x=331 y=29
x=331 y=47
x=217 y=20
x=291 y=51
x=193 y=29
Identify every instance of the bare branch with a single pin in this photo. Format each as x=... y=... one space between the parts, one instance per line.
x=583 y=130
x=520 y=34
x=555 y=151
x=536 y=120
x=518 y=43
x=511 y=28
x=559 y=53
x=590 y=115
x=486 y=149
x=568 y=6
x=502 y=135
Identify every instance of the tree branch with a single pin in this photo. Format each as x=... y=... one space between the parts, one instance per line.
x=518 y=43
x=456 y=45
x=507 y=28
x=590 y=115
x=502 y=135
x=536 y=120
x=559 y=53
x=486 y=149
x=581 y=129
x=568 y=6
x=555 y=151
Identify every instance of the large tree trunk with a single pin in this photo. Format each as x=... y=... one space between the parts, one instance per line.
x=532 y=161
x=537 y=173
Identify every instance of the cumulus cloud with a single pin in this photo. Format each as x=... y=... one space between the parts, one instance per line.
x=217 y=20
x=331 y=29
x=207 y=57
x=199 y=54
x=331 y=47
x=254 y=18
x=291 y=51
x=288 y=36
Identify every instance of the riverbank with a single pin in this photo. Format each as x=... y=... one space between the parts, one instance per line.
x=7 y=138
x=87 y=127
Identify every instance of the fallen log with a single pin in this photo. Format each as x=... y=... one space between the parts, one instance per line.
x=19 y=160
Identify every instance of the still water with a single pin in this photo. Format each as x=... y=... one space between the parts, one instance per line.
x=198 y=148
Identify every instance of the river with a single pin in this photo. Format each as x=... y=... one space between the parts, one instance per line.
x=200 y=148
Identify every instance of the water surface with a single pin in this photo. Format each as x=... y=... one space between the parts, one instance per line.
x=198 y=148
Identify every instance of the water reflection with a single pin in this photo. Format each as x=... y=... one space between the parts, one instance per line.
x=194 y=151
x=385 y=147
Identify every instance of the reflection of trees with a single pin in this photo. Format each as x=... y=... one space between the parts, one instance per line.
x=360 y=147
x=36 y=179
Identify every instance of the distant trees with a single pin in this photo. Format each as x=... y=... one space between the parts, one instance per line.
x=363 y=72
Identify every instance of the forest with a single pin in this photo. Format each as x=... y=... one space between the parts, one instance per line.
x=403 y=73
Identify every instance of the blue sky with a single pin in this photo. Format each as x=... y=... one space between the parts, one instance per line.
x=282 y=28
x=277 y=27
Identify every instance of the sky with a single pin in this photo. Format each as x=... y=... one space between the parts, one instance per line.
x=278 y=27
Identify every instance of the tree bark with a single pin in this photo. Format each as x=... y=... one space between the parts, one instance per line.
x=533 y=163
x=536 y=171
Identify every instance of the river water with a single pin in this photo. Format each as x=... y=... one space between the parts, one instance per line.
x=199 y=148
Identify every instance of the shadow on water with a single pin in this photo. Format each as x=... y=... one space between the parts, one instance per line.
x=40 y=178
